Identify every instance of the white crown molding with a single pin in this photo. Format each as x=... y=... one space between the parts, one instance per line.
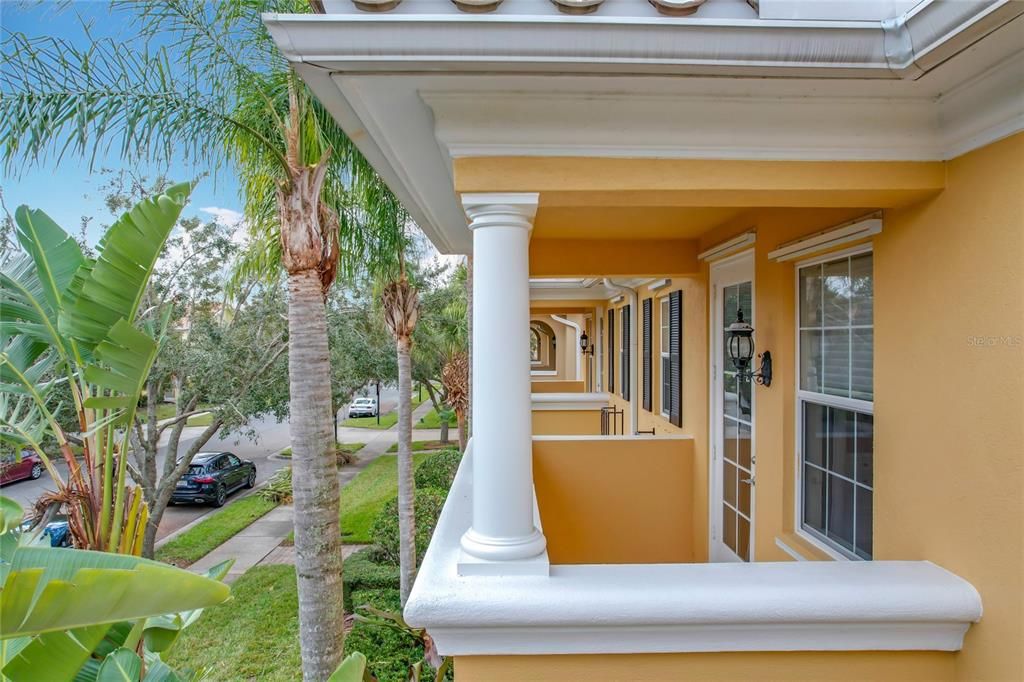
x=729 y=246
x=783 y=606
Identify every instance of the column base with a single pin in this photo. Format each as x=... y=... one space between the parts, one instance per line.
x=503 y=549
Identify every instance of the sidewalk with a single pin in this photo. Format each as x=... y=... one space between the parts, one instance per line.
x=251 y=545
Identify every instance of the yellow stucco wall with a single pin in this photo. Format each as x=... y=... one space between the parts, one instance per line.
x=949 y=431
x=949 y=378
x=613 y=501
x=566 y=422
x=541 y=386
x=866 y=666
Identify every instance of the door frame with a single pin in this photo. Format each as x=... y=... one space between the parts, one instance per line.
x=732 y=270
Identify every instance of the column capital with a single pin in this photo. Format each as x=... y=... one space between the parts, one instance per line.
x=500 y=208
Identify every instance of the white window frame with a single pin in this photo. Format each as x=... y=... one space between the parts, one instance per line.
x=802 y=396
x=664 y=311
x=623 y=342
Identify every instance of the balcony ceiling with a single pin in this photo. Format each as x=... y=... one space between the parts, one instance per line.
x=426 y=85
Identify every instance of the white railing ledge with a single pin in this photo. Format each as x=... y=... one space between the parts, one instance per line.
x=661 y=608
x=568 y=401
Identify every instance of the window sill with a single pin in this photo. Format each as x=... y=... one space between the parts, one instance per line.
x=803 y=548
x=661 y=608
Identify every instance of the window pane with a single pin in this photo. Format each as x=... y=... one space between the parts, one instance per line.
x=814 y=498
x=841 y=438
x=836 y=362
x=729 y=439
x=810 y=360
x=864 y=530
x=865 y=449
x=862 y=370
x=810 y=296
x=815 y=433
x=743 y=493
x=666 y=385
x=840 y=511
x=730 y=304
x=664 y=320
x=745 y=387
x=836 y=293
x=861 y=289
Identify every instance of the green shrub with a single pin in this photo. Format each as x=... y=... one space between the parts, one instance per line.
x=361 y=573
x=439 y=470
x=385 y=528
x=390 y=652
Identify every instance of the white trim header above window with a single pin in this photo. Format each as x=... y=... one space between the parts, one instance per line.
x=861 y=228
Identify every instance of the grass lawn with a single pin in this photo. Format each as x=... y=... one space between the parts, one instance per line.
x=253 y=636
x=432 y=420
x=168 y=410
x=366 y=495
x=421 y=445
x=349 y=448
x=214 y=530
x=386 y=421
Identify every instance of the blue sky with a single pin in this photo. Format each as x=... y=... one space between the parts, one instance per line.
x=68 y=190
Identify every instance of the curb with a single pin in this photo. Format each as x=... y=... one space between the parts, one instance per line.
x=213 y=510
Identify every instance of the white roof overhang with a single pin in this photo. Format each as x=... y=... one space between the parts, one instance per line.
x=415 y=90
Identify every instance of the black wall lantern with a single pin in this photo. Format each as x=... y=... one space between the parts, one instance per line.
x=585 y=344
x=741 y=352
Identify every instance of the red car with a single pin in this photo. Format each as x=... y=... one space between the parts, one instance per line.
x=12 y=470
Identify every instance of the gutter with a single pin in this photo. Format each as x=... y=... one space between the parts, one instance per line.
x=906 y=47
x=634 y=333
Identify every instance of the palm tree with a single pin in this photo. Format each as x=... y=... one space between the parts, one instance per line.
x=218 y=92
x=401 y=306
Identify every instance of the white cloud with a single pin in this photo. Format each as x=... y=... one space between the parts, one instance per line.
x=231 y=219
x=227 y=217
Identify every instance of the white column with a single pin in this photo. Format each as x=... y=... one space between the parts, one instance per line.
x=503 y=511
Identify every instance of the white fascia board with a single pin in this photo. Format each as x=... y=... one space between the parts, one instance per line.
x=729 y=246
x=661 y=608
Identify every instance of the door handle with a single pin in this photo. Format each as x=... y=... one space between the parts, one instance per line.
x=749 y=481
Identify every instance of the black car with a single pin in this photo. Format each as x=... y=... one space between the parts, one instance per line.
x=212 y=476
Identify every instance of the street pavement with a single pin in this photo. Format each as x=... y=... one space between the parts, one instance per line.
x=272 y=437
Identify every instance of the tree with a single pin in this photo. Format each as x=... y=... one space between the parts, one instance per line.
x=217 y=91
x=69 y=320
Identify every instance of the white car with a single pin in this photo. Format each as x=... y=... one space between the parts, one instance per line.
x=363 y=407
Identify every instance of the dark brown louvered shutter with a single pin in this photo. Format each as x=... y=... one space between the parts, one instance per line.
x=648 y=307
x=627 y=345
x=611 y=351
x=675 y=342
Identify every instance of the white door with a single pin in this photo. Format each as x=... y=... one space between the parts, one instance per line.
x=732 y=417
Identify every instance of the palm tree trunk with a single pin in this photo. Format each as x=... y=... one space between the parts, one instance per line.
x=314 y=480
x=406 y=484
x=463 y=436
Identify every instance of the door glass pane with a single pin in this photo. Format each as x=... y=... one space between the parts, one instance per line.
x=810 y=360
x=745 y=387
x=865 y=449
x=743 y=446
x=731 y=398
x=729 y=527
x=841 y=440
x=743 y=491
x=729 y=483
x=861 y=290
x=836 y=363
x=840 y=511
x=815 y=433
x=836 y=293
x=729 y=442
x=743 y=538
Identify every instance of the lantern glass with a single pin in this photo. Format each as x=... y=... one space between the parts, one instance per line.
x=741 y=343
x=584 y=341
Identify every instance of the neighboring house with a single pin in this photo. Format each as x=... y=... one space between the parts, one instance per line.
x=848 y=175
